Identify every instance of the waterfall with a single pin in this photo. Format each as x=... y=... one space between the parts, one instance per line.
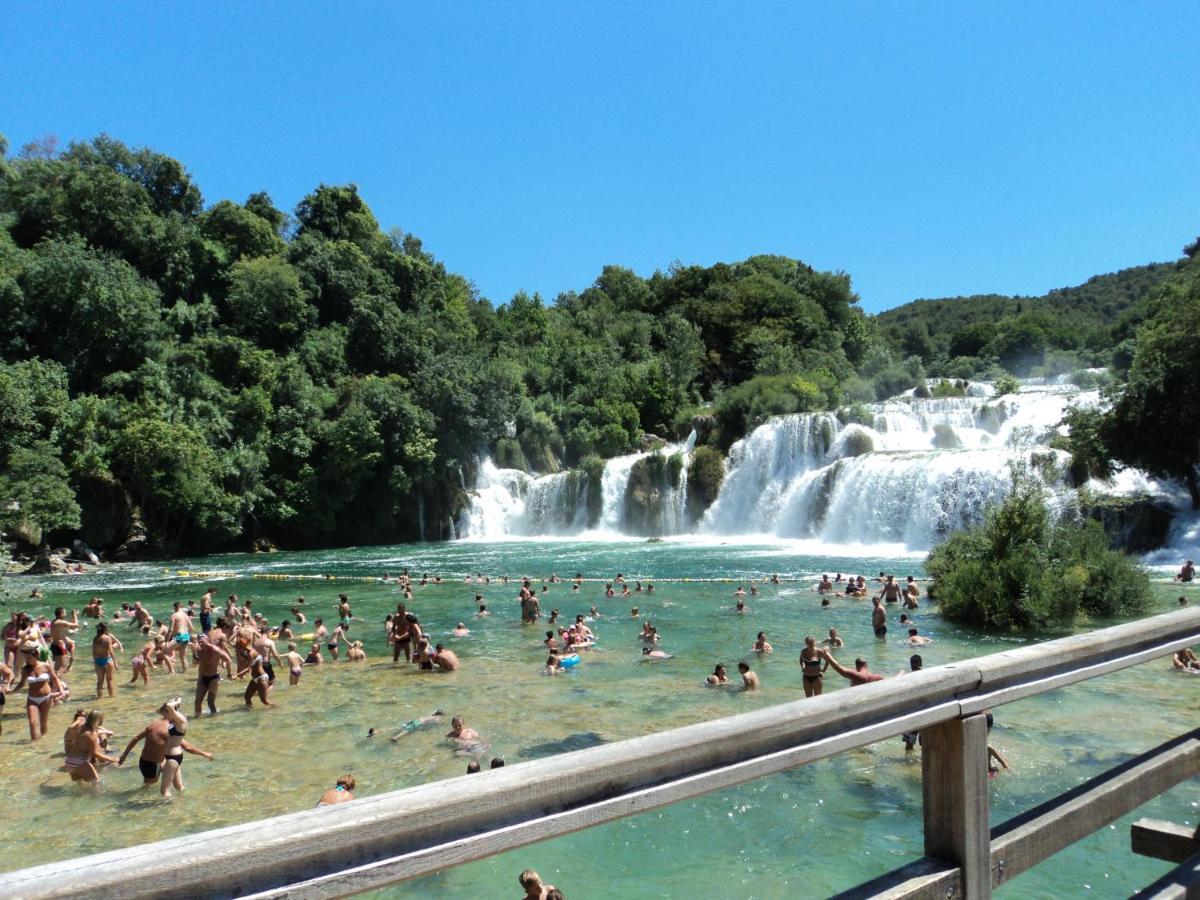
x=508 y=502
x=909 y=472
x=906 y=471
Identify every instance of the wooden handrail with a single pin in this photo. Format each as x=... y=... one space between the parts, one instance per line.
x=379 y=840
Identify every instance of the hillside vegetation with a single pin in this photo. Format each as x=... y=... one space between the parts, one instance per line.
x=179 y=375
x=1064 y=330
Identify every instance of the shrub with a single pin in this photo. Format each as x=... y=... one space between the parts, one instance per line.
x=856 y=414
x=1090 y=457
x=751 y=403
x=945 y=437
x=946 y=388
x=892 y=380
x=1018 y=569
x=1006 y=384
x=857 y=443
x=674 y=469
x=705 y=474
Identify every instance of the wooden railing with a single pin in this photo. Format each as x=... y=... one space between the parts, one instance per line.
x=388 y=838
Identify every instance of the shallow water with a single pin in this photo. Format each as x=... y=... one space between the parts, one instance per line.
x=816 y=830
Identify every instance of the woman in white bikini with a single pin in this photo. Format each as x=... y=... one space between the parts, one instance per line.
x=43 y=684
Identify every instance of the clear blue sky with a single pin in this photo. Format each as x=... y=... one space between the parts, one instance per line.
x=927 y=149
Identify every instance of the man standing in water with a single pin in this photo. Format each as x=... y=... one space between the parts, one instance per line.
x=400 y=637
x=860 y=674
x=181 y=631
x=208 y=661
x=891 y=590
x=206 y=608
x=879 y=619
x=60 y=638
x=157 y=736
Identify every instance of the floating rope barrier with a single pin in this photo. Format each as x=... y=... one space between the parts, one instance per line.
x=461 y=581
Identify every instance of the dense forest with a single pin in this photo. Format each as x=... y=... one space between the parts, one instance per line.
x=1068 y=329
x=178 y=375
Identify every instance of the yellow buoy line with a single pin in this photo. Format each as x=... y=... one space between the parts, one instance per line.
x=460 y=580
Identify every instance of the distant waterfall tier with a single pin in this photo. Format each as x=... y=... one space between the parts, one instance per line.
x=509 y=502
x=638 y=494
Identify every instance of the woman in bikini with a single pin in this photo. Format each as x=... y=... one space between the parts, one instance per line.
x=813 y=664
x=141 y=664
x=43 y=684
x=84 y=750
x=342 y=793
x=104 y=652
x=314 y=657
x=172 y=776
x=260 y=679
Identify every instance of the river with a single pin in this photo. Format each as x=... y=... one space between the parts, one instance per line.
x=814 y=830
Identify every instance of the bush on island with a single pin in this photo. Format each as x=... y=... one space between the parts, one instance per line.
x=1020 y=569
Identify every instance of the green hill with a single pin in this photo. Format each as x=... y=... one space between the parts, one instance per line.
x=1065 y=329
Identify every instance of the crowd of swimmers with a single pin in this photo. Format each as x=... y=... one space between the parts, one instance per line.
x=235 y=642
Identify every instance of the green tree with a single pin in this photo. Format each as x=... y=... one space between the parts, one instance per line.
x=266 y=302
x=1155 y=420
x=87 y=310
x=338 y=214
x=175 y=477
x=241 y=232
x=36 y=489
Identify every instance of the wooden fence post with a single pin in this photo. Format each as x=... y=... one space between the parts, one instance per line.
x=955 y=786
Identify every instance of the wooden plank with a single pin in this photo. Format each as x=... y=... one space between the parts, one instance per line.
x=925 y=879
x=955 y=790
x=987 y=695
x=471 y=817
x=478 y=846
x=1024 y=841
x=1037 y=668
x=1178 y=884
x=1163 y=840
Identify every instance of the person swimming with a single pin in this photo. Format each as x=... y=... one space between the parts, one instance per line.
x=342 y=792
x=419 y=724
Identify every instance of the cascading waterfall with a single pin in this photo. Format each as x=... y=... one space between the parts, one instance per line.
x=906 y=471
x=613 y=485
x=913 y=471
x=508 y=502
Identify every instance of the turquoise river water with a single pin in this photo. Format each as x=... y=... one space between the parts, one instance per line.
x=811 y=831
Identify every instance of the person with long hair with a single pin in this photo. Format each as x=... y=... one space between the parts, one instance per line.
x=84 y=750
x=104 y=656
x=43 y=687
